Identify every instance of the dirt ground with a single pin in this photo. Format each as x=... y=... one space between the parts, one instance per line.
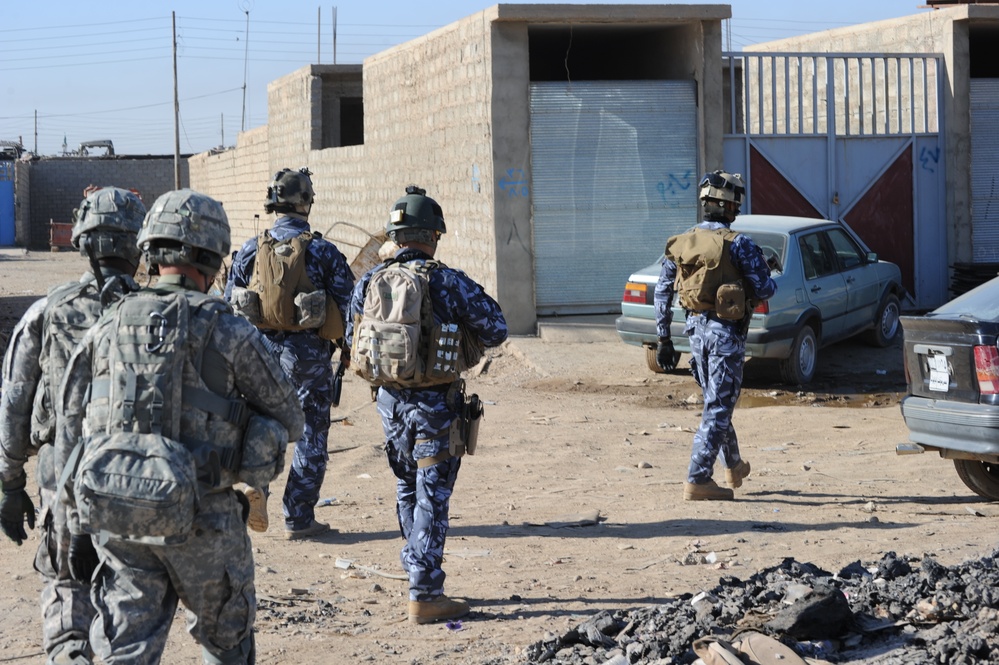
x=574 y=433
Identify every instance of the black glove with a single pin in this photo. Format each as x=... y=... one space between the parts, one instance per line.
x=665 y=355
x=16 y=508
x=82 y=558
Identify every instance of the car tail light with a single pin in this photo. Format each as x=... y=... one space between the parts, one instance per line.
x=762 y=308
x=987 y=368
x=634 y=292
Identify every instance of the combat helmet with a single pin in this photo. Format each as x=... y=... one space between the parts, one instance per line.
x=716 y=189
x=291 y=192
x=184 y=227
x=107 y=222
x=416 y=217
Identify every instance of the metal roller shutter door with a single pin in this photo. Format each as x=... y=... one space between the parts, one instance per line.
x=614 y=173
x=985 y=170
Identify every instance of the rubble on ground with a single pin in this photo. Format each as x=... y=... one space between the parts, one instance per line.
x=902 y=610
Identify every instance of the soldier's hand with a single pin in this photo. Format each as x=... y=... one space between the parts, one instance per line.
x=16 y=508
x=665 y=354
x=82 y=558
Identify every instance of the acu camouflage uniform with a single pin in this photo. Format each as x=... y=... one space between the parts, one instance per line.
x=33 y=366
x=417 y=421
x=717 y=349
x=136 y=586
x=307 y=358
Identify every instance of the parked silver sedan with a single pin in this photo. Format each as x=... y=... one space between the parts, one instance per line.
x=830 y=286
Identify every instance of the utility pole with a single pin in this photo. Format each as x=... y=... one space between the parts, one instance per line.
x=319 y=35
x=246 y=67
x=176 y=110
x=334 y=34
x=36 y=131
x=222 y=123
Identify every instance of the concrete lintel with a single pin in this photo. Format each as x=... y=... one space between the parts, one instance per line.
x=608 y=13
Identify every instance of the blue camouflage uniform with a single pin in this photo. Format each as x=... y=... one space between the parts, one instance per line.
x=717 y=349
x=307 y=359
x=417 y=421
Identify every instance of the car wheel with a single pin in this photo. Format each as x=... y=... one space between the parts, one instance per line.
x=650 y=359
x=799 y=368
x=886 y=324
x=982 y=478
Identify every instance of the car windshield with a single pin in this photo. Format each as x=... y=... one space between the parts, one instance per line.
x=980 y=304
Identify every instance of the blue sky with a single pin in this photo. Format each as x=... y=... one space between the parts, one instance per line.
x=104 y=70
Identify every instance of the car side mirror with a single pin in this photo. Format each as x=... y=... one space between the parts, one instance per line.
x=872 y=257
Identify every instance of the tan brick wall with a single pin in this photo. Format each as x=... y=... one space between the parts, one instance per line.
x=238 y=178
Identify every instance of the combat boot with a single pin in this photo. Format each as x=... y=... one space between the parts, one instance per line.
x=438 y=609
x=257 y=519
x=709 y=491
x=735 y=475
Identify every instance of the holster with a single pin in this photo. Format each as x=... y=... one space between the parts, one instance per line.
x=464 y=435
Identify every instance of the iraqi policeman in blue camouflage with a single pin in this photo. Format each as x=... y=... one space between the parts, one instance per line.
x=717 y=342
x=306 y=353
x=105 y=230
x=418 y=421
x=227 y=419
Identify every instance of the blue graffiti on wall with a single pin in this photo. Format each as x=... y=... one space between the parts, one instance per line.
x=673 y=188
x=926 y=156
x=516 y=185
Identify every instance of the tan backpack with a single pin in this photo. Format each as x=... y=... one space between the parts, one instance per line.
x=706 y=280
x=396 y=341
x=286 y=297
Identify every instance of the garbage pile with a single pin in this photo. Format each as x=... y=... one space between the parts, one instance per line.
x=902 y=610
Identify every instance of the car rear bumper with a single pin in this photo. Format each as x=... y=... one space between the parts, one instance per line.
x=643 y=332
x=970 y=428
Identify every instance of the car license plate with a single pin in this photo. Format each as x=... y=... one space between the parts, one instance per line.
x=939 y=372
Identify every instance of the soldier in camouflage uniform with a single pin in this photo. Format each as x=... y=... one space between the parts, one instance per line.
x=230 y=379
x=717 y=345
x=417 y=421
x=305 y=355
x=107 y=222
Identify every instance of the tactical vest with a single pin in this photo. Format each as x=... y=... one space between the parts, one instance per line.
x=397 y=342
x=287 y=298
x=706 y=279
x=70 y=311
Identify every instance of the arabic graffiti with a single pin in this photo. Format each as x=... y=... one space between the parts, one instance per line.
x=673 y=188
x=514 y=183
x=929 y=158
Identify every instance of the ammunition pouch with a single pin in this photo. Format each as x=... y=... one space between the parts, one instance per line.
x=246 y=303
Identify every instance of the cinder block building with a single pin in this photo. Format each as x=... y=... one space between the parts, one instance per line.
x=564 y=143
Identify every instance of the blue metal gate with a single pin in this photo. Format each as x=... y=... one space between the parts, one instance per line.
x=853 y=137
x=6 y=203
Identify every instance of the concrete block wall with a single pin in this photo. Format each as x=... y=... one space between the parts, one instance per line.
x=428 y=113
x=22 y=204
x=57 y=186
x=238 y=178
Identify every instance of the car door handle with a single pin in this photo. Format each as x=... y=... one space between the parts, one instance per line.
x=816 y=288
x=851 y=280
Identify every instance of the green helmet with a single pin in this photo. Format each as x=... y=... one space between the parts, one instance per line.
x=291 y=191
x=107 y=221
x=416 y=210
x=185 y=228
